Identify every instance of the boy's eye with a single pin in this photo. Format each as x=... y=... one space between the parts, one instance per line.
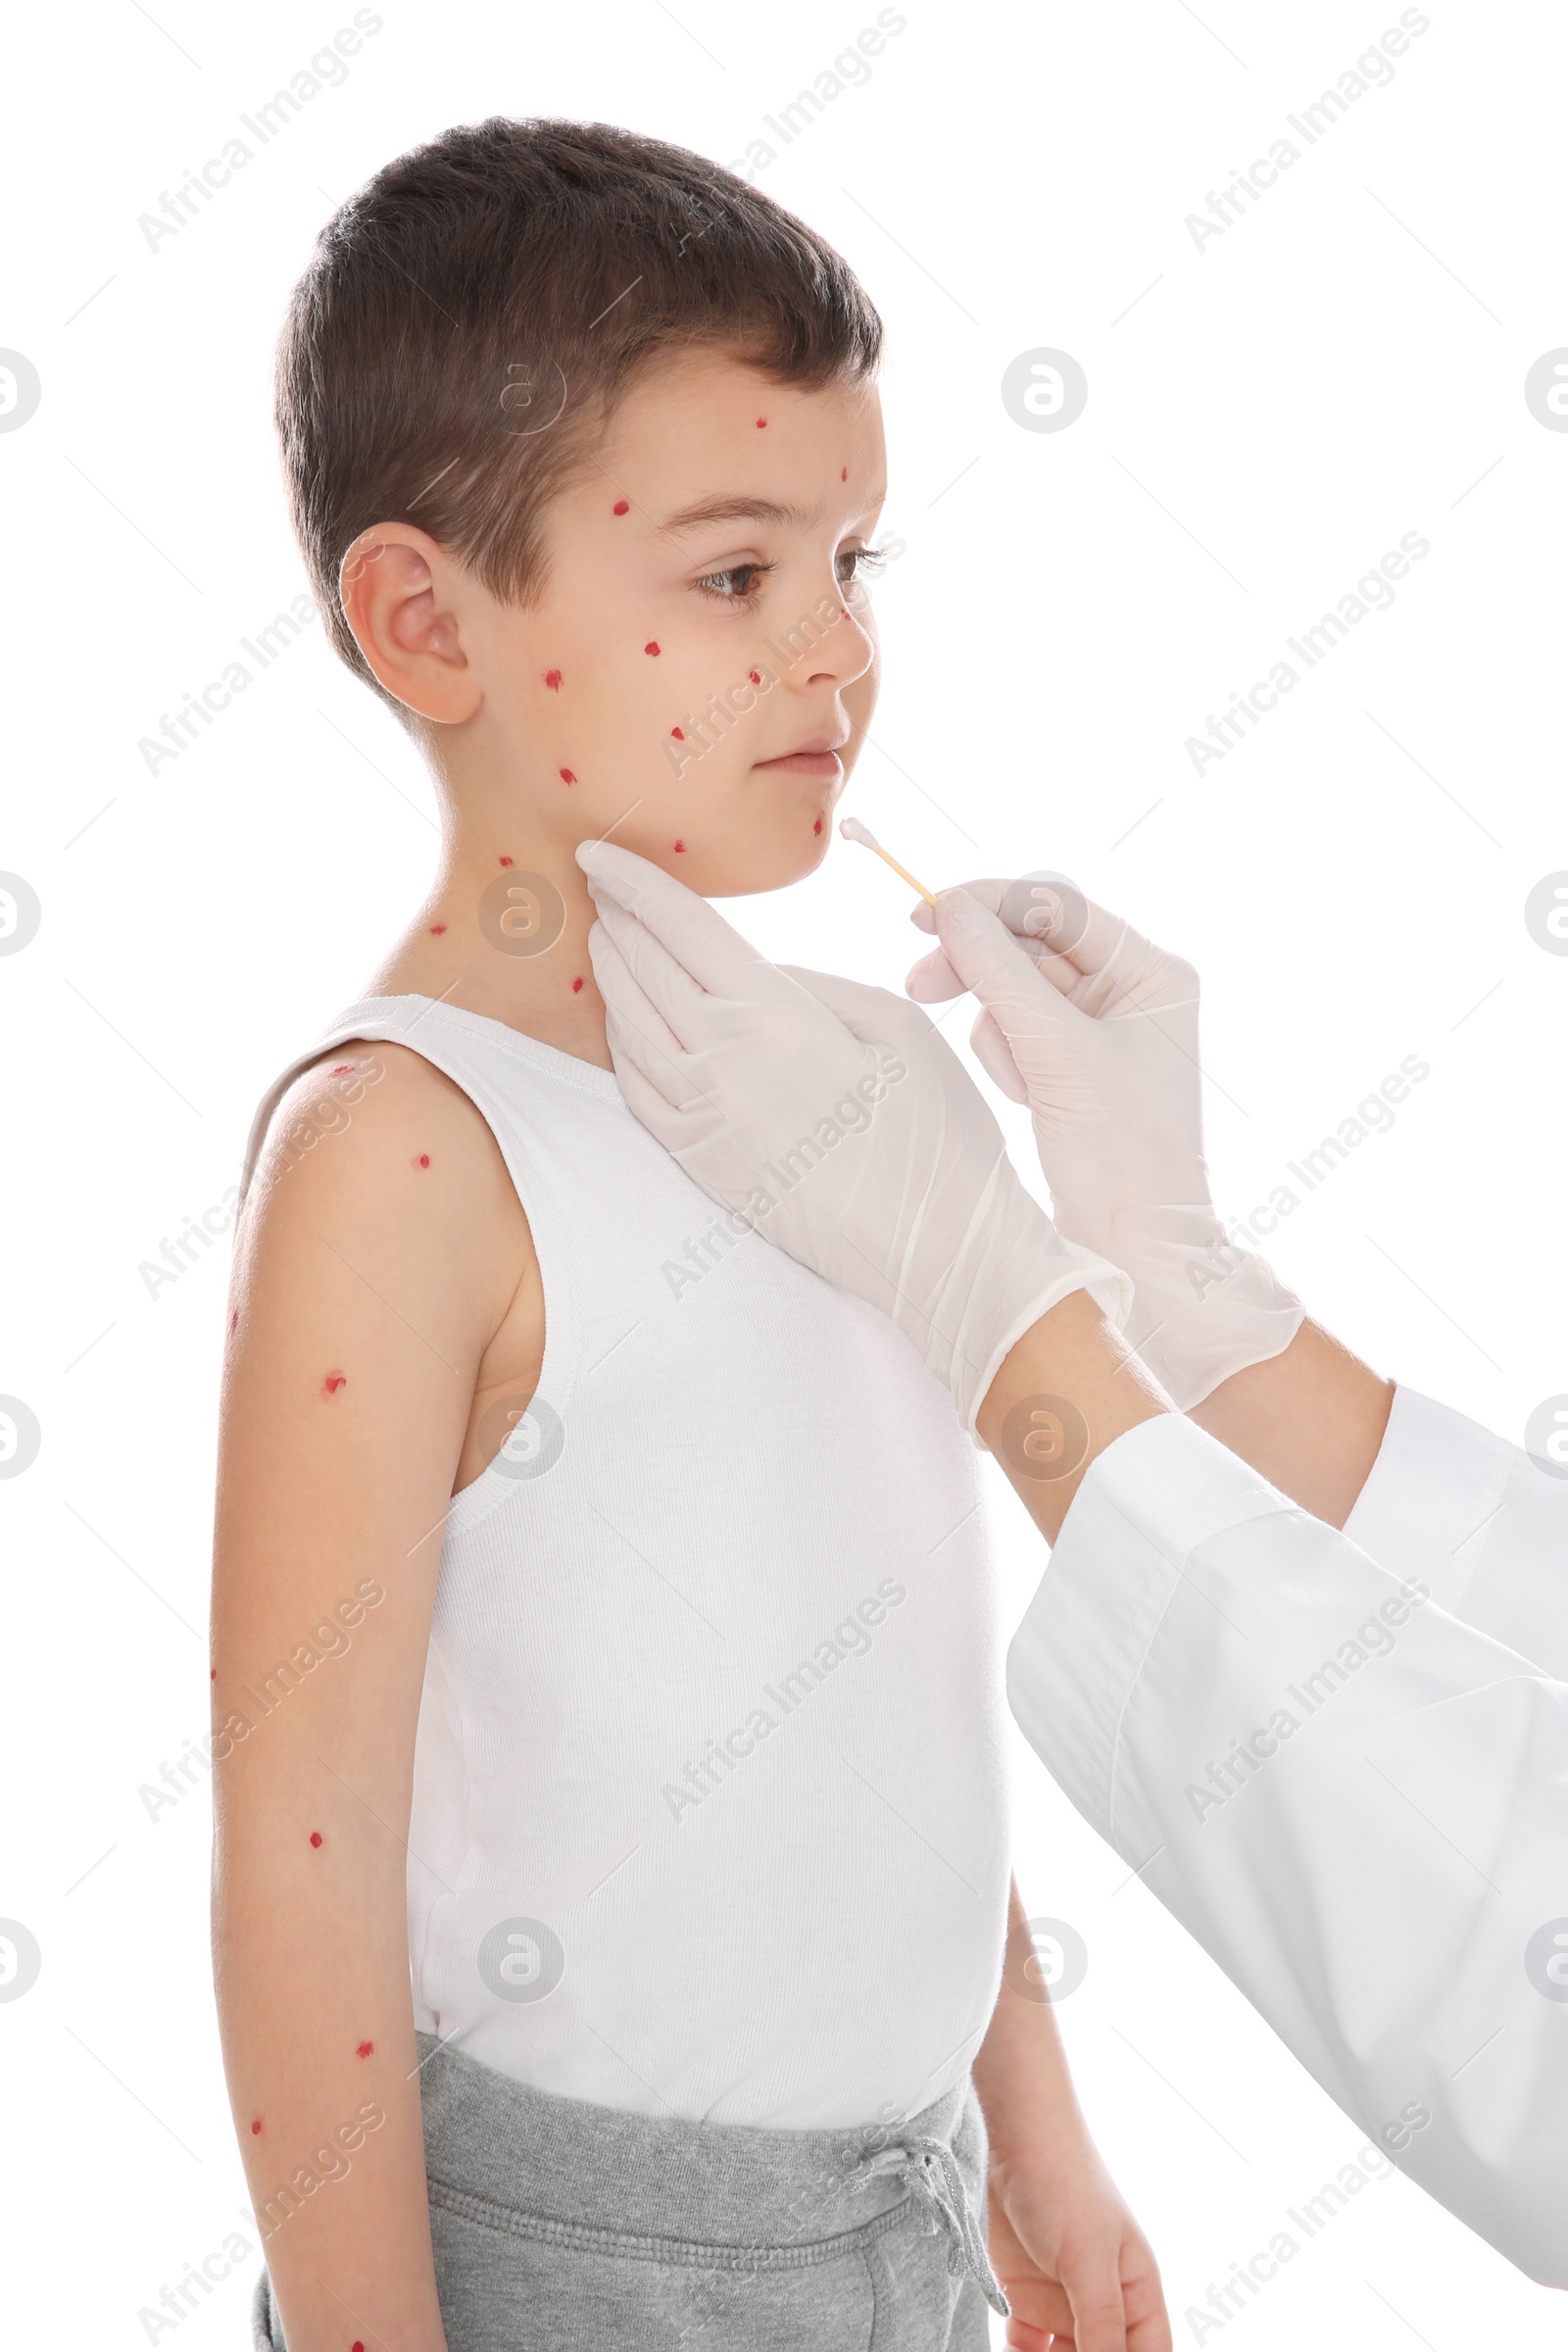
x=735 y=586
x=859 y=563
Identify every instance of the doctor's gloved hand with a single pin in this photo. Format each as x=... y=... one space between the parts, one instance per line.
x=835 y=1119
x=1096 y=1030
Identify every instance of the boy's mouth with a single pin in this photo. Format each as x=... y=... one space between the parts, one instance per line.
x=816 y=758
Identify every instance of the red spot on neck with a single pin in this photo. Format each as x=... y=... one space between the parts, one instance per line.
x=680 y=845
x=436 y=930
x=679 y=737
x=213 y=1677
x=622 y=505
x=576 y=984
x=333 y=1382
x=756 y=676
x=649 y=646
x=315 y=1836
x=566 y=776
x=553 y=680
x=366 y=2049
x=504 y=861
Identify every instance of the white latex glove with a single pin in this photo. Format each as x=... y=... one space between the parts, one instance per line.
x=1096 y=1030
x=835 y=1119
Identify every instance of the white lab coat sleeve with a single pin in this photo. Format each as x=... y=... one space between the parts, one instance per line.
x=1355 y=1803
x=1480 y=1521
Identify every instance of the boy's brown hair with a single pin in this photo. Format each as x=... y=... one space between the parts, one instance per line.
x=470 y=319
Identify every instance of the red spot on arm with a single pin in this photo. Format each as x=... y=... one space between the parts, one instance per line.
x=756 y=676
x=679 y=737
x=577 y=985
x=333 y=1382
x=622 y=505
x=315 y=1836
x=649 y=646
x=436 y=930
x=424 y=1161
x=566 y=776
x=506 y=861
x=680 y=845
x=553 y=680
x=366 y=2049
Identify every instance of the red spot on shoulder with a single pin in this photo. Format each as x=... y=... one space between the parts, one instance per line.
x=256 y=2124
x=553 y=680
x=436 y=930
x=366 y=2049
x=649 y=646
x=424 y=1161
x=622 y=505
x=315 y=1836
x=843 y=473
x=756 y=676
x=577 y=985
x=566 y=776
x=506 y=861
x=679 y=737
x=761 y=422
x=338 y=1068
x=817 y=827
x=333 y=1382
x=680 y=845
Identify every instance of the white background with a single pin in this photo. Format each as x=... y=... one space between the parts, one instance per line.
x=1342 y=366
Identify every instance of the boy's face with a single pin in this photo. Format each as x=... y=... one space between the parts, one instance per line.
x=702 y=660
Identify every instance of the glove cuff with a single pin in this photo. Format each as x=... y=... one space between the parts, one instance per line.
x=1205 y=1307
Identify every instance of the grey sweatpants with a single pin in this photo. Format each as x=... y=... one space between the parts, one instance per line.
x=561 y=2227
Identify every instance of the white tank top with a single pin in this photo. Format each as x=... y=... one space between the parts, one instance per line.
x=710 y=1805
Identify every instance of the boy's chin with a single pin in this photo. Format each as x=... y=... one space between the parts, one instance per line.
x=750 y=867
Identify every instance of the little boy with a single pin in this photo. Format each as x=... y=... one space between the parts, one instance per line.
x=609 y=1946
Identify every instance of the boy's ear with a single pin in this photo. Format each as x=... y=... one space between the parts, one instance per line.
x=403 y=597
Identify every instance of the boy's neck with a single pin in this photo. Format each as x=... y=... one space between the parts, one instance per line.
x=474 y=943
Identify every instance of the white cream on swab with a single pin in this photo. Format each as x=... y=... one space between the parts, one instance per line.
x=852 y=830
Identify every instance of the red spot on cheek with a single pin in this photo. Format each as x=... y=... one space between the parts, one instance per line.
x=622 y=505
x=566 y=776
x=553 y=680
x=436 y=930
x=679 y=737
x=333 y=1382
x=424 y=1161
x=504 y=861
x=680 y=845
x=576 y=984
x=315 y=1836
x=817 y=827
x=257 y=2124
x=756 y=676
x=649 y=646
x=366 y=2049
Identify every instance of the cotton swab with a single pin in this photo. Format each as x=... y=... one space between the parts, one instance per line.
x=852 y=830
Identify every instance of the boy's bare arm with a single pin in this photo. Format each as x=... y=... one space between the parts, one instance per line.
x=374 y=1271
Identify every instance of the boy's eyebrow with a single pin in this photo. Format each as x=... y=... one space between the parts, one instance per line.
x=726 y=507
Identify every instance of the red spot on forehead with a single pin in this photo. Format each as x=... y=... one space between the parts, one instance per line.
x=506 y=861
x=333 y=1382
x=680 y=845
x=622 y=505
x=315 y=1836
x=424 y=1161
x=679 y=737
x=649 y=646
x=553 y=680
x=436 y=930
x=566 y=776
x=756 y=676
x=576 y=984
x=365 y=2050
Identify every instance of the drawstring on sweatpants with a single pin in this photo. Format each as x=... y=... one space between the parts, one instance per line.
x=929 y=2168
